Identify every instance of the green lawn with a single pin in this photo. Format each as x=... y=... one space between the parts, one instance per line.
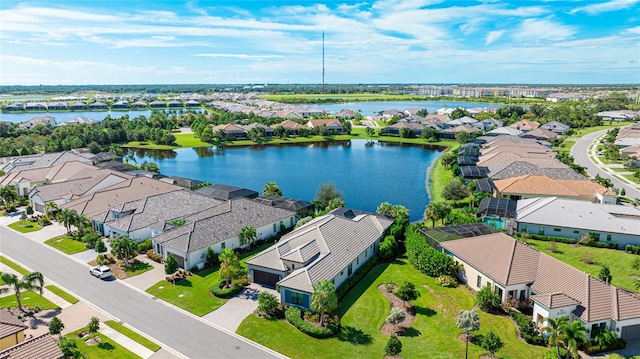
x=133 y=335
x=14 y=266
x=190 y=140
x=28 y=298
x=106 y=349
x=25 y=226
x=618 y=261
x=193 y=294
x=62 y=294
x=138 y=268
x=66 y=244
x=566 y=146
x=585 y=131
x=620 y=169
x=363 y=311
x=632 y=178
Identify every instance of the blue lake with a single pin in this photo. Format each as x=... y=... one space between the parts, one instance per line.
x=369 y=108
x=367 y=172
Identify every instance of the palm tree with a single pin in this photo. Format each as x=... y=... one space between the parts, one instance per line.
x=50 y=207
x=431 y=214
x=324 y=298
x=248 y=235
x=554 y=330
x=67 y=218
x=385 y=208
x=31 y=281
x=229 y=265
x=8 y=194
x=573 y=336
x=468 y=321
x=271 y=189
x=122 y=247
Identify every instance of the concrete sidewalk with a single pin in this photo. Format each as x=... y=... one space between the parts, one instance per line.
x=125 y=341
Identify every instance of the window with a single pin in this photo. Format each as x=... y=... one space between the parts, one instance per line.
x=608 y=237
x=523 y=228
x=274 y=228
x=290 y=221
x=479 y=282
x=499 y=291
x=297 y=298
x=489 y=284
x=595 y=235
x=358 y=261
x=293 y=266
x=223 y=245
x=366 y=253
x=350 y=269
x=576 y=232
x=541 y=231
x=556 y=229
x=341 y=272
x=523 y=294
x=242 y=241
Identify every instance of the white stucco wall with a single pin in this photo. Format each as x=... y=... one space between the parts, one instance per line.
x=567 y=232
x=623 y=323
x=540 y=311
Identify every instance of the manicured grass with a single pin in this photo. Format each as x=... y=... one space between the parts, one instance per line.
x=566 y=146
x=62 y=294
x=440 y=176
x=619 y=169
x=133 y=335
x=588 y=130
x=193 y=294
x=148 y=145
x=632 y=178
x=14 y=266
x=25 y=226
x=138 y=268
x=27 y=298
x=66 y=244
x=106 y=349
x=190 y=140
x=618 y=261
x=433 y=333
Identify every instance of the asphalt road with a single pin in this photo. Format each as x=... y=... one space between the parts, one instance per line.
x=183 y=333
x=580 y=153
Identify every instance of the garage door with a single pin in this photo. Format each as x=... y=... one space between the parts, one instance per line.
x=631 y=332
x=265 y=278
x=179 y=259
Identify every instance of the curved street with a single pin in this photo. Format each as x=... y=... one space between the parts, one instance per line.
x=179 y=330
x=581 y=155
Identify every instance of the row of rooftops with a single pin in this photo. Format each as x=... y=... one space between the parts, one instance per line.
x=61 y=106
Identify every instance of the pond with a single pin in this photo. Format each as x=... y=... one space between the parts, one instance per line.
x=367 y=172
x=374 y=107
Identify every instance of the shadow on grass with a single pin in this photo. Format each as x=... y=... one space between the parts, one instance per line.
x=411 y=333
x=354 y=336
x=352 y=296
x=425 y=311
x=106 y=346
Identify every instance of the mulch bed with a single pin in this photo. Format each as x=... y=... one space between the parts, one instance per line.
x=410 y=310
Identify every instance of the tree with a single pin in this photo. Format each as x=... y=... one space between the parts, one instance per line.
x=248 y=235
x=68 y=346
x=605 y=274
x=463 y=137
x=9 y=195
x=31 y=281
x=455 y=191
x=491 y=342
x=123 y=247
x=303 y=221
x=437 y=210
x=397 y=315
x=406 y=132
x=369 y=131
x=93 y=326
x=50 y=207
x=211 y=258
x=94 y=147
x=488 y=299
x=150 y=167
x=574 y=335
x=271 y=189
x=326 y=193
x=267 y=303
x=449 y=159
x=398 y=212
x=468 y=321
x=56 y=326
x=170 y=264
x=229 y=265
x=67 y=218
x=335 y=203
x=394 y=346
x=324 y=298
x=554 y=331
x=100 y=247
x=407 y=291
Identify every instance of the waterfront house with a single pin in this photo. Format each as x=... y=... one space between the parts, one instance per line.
x=333 y=125
x=225 y=192
x=174 y=104
x=394 y=130
x=302 y=208
x=519 y=273
x=331 y=247
x=292 y=126
x=219 y=227
x=530 y=186
x=139 y=105
x=80 y=120
x=157 y=104
x=121 y=105
x=57 y=106
x=267 y=131
x=16 y=106
x=569 y=218
x=36 y=106
x=465 y=120
x=44 y=120
x=78 y=106
x=231 y=131
x=98 y=106
x=181 y=181
x=345 y=114
x=192 y=103
x=450 y=133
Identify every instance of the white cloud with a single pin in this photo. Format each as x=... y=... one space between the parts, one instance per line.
x=240 y=56
x=493 y=36
x=613 y=5
x=543 y=29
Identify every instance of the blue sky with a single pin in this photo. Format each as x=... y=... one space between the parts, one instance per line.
x=383 y=41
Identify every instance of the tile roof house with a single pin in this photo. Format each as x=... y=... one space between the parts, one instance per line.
x=302 y=208
x=231 y=131
x=218 y=227
x=143 y=218
x=333 y=125
x=11 y=330
x=44 y=120
x=542 y=134
x=40 y=347
x=557 y=127
x=523 y=168
x=530 y=186
x=394 y=129
x=225 y=192
x=525 y=125
x=292 y=126
x=331 y=247
x=41 y=160
x=345 y=113
x=465 y=120
x=25 y=180
x=181 y=181
x=268 y=131
x=519 y=272
x=570 y=218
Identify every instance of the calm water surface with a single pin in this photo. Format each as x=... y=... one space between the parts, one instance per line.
x=370 y=108
x=367 y=172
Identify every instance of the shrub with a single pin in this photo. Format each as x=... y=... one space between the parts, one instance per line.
x=592 y=243
x=447 y=281
x=219 y=291
x=551 y=353
x=394 y=346
x=528 y=330
x=211 y=258
x=294 y=316
x=259 y=242
x=29 y=210
x=487 y=298
x=154 y=256
x=407 y=291
x=267 y=303
x=355 y=278
x=388 y=247
x=90 y=239
x=491 y=342
x=425 y=258
x=145 y=245
x=44 y=221
x=632 y=249
x=170 y=264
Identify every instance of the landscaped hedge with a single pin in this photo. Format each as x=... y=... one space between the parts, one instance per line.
x=425 y=258
x=220 y=292
x=613 y=245
x=632 y=249
x=528 y=330
x=294 y=316
x=355 y=278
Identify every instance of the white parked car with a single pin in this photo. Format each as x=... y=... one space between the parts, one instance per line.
x=101 y=272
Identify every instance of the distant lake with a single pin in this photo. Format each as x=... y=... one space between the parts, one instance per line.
x=67 y=116
x=369 y=108
x=367 y=172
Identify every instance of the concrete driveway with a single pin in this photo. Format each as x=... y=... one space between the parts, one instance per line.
x=233 y=312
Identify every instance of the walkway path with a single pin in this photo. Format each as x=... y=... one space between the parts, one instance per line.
x=232 y=313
